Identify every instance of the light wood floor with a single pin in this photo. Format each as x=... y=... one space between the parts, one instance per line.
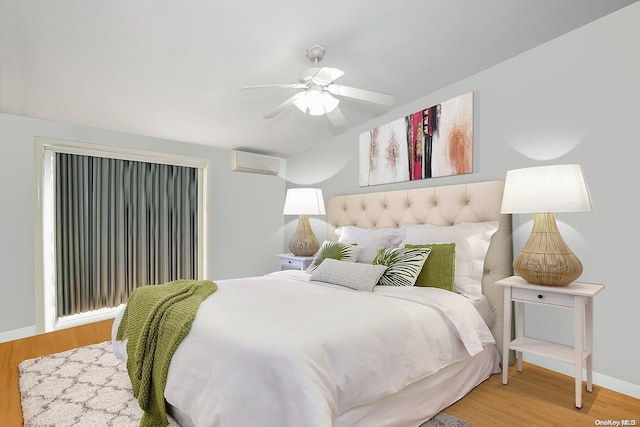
x=14 y=352
x=535 y=397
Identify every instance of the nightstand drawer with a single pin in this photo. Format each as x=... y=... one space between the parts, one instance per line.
x=292 y=262
x=542 y=297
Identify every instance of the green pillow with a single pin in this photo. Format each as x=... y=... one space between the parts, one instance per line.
x=403 y=265
x=439 y=269
x=334 y=250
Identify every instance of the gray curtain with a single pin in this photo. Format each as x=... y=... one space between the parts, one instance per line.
x=121 y=224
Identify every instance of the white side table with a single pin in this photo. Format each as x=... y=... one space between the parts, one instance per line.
x=293 y=262
x=579 y=297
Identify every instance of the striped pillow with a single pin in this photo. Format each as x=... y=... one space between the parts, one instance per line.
x=403 y=265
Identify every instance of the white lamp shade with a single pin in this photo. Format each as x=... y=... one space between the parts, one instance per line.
x=304 y=201
x=555 y=188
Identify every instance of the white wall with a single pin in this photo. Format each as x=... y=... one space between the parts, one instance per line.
x=241 y=245
x=574 y=99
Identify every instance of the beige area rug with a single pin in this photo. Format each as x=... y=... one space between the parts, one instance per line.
x=86 y=386
x=89 y=386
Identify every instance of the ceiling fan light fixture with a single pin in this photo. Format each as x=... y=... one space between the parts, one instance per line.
x=318 y=87
x=316 y=102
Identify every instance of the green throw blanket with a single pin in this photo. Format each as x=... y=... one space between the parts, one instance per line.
x=155 y=321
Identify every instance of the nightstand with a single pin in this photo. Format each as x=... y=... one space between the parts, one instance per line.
x=293 y=262
x=577 y=296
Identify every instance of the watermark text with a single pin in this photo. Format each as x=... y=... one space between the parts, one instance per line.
x=616 y=423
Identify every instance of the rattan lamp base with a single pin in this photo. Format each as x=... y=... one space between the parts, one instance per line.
x=546 y=259
x=304 y=242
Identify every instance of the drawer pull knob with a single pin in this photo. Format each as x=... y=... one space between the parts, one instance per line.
x=540 y=296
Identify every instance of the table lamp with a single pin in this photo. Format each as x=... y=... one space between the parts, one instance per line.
x=546 y=259
x=304 y=202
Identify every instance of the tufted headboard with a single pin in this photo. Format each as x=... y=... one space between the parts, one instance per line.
x=445 y=205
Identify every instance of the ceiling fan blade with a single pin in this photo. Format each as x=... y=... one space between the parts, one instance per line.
x=284 y=105
x=326 y=75
x=292 y=86
x=336 y=117
x=362 y=94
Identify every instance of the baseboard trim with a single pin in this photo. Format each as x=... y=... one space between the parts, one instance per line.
x=63 y=323
x=602 y=380
x=16 y=334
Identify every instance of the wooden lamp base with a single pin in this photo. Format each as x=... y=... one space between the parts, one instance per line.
x=304 y=242
x=546 y=259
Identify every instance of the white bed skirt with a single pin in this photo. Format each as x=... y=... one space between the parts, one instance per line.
x=416 y=403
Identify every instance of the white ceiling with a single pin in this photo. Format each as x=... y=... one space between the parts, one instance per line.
x=173 y=69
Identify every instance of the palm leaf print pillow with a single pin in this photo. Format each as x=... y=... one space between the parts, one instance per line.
x=334 y=250
x=403 y=265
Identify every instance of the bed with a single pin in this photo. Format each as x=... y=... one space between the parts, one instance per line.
x=288 y=349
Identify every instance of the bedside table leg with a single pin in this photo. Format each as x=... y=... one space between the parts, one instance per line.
x=579 y=310
x=588 y=321
x=506 y=339
x=519 y=308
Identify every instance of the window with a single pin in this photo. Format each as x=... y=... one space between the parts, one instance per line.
x=114 y=220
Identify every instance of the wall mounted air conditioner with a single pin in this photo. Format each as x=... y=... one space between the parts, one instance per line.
x=254 y=163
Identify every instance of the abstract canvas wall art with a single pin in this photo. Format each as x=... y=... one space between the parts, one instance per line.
x=434 y=142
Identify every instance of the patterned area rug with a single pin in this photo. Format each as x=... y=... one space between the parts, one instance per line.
x=86 y=386
x=445 y=420
x=89 y=386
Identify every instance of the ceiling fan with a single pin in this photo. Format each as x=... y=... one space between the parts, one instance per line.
x=318 y=86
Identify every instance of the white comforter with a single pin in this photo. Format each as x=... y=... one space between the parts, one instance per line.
x=280 y=350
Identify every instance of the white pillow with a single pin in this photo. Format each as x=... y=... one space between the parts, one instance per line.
x=358 y=276
x=472 y=242
x=368 y=239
